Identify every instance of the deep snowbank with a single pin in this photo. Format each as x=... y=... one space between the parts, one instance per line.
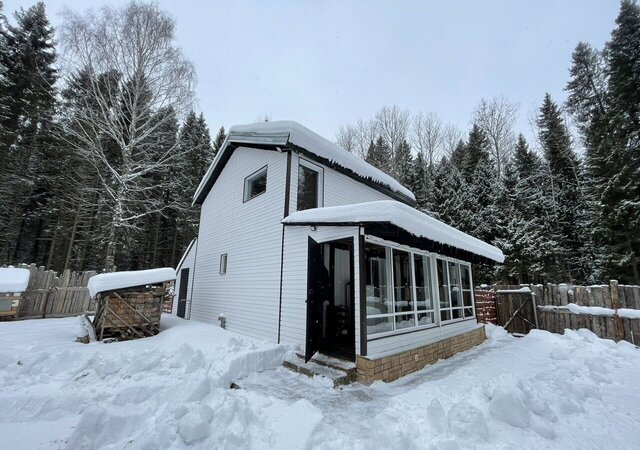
x=167 y=391
x=172 y=391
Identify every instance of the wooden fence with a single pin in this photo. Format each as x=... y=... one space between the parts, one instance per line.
x=50 y=295
x=554 y=315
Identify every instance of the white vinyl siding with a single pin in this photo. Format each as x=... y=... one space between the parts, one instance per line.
x=250 y=233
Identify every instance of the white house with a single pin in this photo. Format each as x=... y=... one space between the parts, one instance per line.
x=302 y=242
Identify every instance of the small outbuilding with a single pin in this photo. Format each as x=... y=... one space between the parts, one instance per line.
x=129 y=304
x=13 y=283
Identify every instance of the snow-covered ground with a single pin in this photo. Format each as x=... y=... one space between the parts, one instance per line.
x=172 y=391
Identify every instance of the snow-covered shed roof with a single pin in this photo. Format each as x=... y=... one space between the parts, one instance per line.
x=293 y=135
x=402 y=216
x=119 y=280
x=14 y=280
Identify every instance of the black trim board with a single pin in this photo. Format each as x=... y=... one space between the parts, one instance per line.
x=388 y=231
x=227 y=151
x=363 y=294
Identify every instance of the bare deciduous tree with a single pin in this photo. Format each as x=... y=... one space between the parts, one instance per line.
x=132 y=83
x=357 y=138
x=392 y=124
x=428 y=136
x=496 y=117
x=451 y=137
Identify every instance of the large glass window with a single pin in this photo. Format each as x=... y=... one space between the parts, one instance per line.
x=255 y=184
x=377 y=290
x=398 y=289
x=309 y=186
x=424 y=299
x=467 y=291
x=401 y=293
x=456 y=296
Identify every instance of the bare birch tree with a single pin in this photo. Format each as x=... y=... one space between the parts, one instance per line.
x=132 y=82
x=496 y=117
x=451 y=137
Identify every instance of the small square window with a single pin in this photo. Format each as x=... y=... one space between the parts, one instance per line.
x=255 y=184
x=223 y=264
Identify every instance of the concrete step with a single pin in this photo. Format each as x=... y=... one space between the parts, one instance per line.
x=338 y=371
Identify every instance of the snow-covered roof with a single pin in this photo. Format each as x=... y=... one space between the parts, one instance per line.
x=120 y=280
x=13 y=280
x=282 y=133
x=402 y=216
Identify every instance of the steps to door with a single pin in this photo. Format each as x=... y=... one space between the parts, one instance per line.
x=338 y=371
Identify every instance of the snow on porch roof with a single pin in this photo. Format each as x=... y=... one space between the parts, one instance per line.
x=402 y=216
x=281 y=133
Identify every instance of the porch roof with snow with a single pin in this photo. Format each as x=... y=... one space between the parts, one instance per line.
x=406 y=219
x=288 y=134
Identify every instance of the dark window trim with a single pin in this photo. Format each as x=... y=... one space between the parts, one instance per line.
x=223 y=257
x=363 y=294
x=244 y=183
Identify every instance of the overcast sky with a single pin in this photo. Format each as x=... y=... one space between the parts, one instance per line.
x=324 y=63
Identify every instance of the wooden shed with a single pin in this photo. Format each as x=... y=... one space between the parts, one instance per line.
x=129 y=304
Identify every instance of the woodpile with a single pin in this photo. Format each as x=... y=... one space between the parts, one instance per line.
x=129 y=313
x=9 y=305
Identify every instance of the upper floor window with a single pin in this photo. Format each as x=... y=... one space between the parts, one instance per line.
x=255 y=184
x=309 y=186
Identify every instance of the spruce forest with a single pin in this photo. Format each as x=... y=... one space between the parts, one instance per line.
x=101 y=152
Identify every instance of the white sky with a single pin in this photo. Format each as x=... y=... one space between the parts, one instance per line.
x=324 y=63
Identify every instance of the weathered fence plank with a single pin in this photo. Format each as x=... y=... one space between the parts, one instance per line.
x=50 y=295
x=555 y=310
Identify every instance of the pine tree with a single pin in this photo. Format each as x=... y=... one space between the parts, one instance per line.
x=567 y=207
x=379 y=155
x=404 y=163
x=195 y=142
x=219 y=140
x=620 y=198
x=29 y=166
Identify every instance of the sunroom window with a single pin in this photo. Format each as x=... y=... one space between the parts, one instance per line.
x=399 y=292
x=456 y=296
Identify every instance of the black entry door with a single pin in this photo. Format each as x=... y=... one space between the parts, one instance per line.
x=182 y=295
x=317 y=284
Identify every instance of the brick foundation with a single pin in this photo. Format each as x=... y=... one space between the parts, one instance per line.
x=391 y=368
x=486 y=311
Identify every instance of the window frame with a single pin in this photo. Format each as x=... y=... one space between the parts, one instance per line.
x=390 y=289
x=451 y=308
x=320 y=171
x=224 y=261
x=253 y=176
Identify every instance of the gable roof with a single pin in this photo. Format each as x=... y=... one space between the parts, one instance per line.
x=295 y=136
x=400 y=215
